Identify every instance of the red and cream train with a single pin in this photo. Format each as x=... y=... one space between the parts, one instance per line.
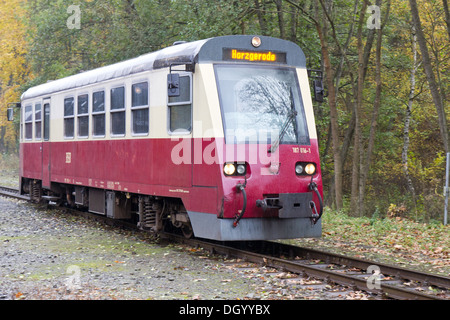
x=215 y=137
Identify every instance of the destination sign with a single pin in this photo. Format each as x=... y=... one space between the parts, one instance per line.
x=253 y=56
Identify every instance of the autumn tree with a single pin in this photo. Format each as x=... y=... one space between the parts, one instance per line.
x=374 y=151
x=14 y=70
x=436 y=92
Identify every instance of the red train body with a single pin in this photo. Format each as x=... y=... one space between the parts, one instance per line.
x=215 y=137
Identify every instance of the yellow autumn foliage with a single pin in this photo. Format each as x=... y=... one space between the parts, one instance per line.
x=14 y=69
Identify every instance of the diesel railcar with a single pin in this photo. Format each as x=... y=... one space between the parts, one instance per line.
x=214 y=137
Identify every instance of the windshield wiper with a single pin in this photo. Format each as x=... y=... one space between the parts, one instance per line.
x=284 y=127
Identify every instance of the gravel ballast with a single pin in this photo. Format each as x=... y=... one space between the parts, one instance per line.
x=47 y=253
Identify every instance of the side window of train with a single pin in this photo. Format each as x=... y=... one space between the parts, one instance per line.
x=83 y=116
x=98 y=113
x=28 y=122
x=118 y=111
x=180 y=107
x=46 y=122
x=140 y=108
x=38 y=121
x=69 y=117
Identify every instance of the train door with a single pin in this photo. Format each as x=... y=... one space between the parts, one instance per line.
x=46 y=146
x=180 y=128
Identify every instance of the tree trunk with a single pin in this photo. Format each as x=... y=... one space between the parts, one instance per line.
x=434 y=89
x=376 y=107
x=447 y=17
x=279 y=4
x=293 y=29
x=261 y=17
x=357 y=109
x=329 y=81
x=408 y=114
x=344 y=50
x=2 y=139
x=329 y=77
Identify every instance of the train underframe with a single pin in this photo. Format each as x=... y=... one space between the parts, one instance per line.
x=150 y=213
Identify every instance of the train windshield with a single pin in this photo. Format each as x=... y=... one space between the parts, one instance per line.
x=261 y=104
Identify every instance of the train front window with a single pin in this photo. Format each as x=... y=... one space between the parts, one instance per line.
x=258 y=101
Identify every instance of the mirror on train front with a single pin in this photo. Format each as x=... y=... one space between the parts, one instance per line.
x=317 y=84
x=173 y=84
x=10 y=110
x=10 y=114
x=318 y=90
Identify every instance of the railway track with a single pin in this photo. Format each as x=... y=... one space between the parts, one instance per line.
x=380 y=280
x=388 y=281
x=12 y=193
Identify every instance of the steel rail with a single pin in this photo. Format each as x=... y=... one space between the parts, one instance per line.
x=12 y=193
x=294 y=266
x=386 y=269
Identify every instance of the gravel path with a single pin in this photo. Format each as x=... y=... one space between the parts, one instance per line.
x=52 y=255
x=46 y=254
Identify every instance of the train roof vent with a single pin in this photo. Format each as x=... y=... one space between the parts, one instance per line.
x=178 y=42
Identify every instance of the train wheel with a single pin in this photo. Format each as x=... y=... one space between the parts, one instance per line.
x=187 y=231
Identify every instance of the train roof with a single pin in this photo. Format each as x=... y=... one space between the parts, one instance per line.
x=208 y=50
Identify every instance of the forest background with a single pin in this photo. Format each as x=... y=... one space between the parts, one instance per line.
x=383 y=125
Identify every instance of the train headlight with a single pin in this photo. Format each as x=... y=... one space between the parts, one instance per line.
x=299 y=169
x=310 y=168
x=305 y=168
x=235 y=169
x=229 y=169
x=256 y=42
x=240 y=169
